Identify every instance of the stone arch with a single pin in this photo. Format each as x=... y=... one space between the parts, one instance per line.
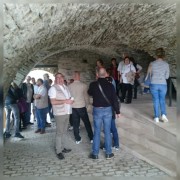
x=34 y=31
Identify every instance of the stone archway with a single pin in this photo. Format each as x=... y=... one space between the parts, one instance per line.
x=34 y=32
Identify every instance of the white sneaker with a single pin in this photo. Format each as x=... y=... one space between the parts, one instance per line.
x=164 y=118
x=116 y=148
x=52 y=120
x=156 y=120
x=70 y=128
x=78 y=142
x=91 y=141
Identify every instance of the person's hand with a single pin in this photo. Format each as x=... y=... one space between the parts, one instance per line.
x=118 y=116
x=69 y=101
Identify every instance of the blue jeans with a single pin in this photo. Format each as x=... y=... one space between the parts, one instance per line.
x=41 y=117
x=114 y=133
x=158 y=92
x=102 y=116
x=15 y=110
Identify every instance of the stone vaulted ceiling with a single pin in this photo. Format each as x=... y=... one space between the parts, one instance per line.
x=35 y=32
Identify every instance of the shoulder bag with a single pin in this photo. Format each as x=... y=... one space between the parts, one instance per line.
x=113 y=111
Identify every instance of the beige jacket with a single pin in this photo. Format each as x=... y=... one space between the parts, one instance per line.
x=61 y=109
x=78 y=91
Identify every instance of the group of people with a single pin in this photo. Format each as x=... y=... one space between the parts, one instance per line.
x=68 y=102
x=24 y=99
x=125 y=76
x=74 y=100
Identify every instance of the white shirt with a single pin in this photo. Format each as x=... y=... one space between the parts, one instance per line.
x=52 y=95
x=126 y=69
x=120 y=66
x=35 y=88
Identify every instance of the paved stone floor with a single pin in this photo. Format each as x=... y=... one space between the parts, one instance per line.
x=35 y=156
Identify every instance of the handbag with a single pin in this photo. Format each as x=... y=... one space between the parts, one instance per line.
x=130 y=76
x=113 y=111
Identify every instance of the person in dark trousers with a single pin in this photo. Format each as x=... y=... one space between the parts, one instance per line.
x=126 y=85
x=28 y=92
x=78 y=91
x=102 y=113
x=137 y=76
x=47 y=86
x=70 y=117
x=23 y=108
x=114 y=74
x=11 y=100
x=114 y=131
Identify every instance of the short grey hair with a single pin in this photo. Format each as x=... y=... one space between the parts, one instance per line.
x=46 y=76
x=102 y=73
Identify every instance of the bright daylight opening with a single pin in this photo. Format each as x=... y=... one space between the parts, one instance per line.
x=39 y=74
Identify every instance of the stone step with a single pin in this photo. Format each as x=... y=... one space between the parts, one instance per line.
x=145 y=125
x=149 y=156
x=154 y=144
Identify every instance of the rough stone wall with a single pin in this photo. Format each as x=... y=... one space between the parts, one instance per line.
x=35 y=32
x=74 y=60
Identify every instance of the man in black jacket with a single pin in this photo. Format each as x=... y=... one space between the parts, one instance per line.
x=28 y=93
x=102 y=112
x=11 y=105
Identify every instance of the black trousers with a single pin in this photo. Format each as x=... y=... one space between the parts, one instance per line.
x=22 y=120
x=127 y=88
x=70 y=120
x=136 y=84
x=78 y=113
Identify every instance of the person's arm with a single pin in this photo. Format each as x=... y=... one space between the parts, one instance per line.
x=54 y=100
x=167 y=72
x=119 y=71
x=41 y=93
x=139 y=68
x=59 y=102
x=90 y=90
x=86 y=96
x=116 y=105
x=133 y=69
x=37 y=96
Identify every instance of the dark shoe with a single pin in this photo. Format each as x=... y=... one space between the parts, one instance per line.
x=42 y=131
x=48 y=124
x=30 y=123
x=122 y=101
x=38 y=131
x=134 y=97
x=109 y=156
x=128 y=102
x=18 y=135
x=92 y=156
x=60 y=156
x=7 y=135
x=66 y=150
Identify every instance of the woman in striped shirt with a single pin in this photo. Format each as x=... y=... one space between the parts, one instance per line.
x=159 y=72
